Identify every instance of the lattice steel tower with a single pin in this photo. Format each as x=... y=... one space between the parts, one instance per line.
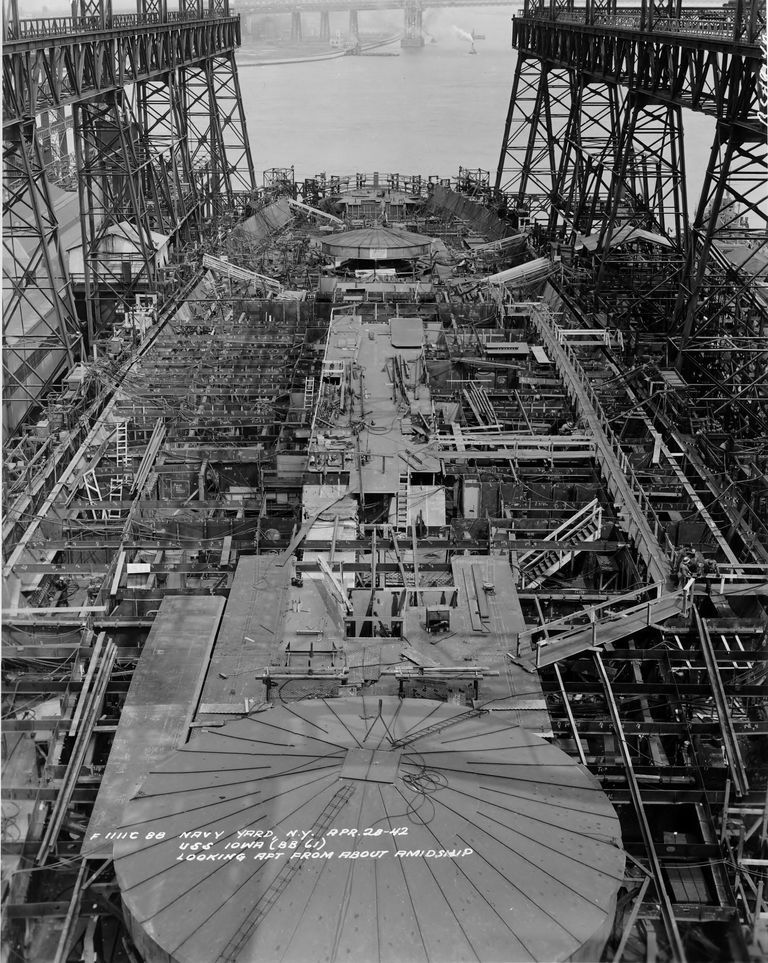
x=124 y=137
x=594 y=139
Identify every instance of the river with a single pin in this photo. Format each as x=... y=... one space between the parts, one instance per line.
x=425 y=111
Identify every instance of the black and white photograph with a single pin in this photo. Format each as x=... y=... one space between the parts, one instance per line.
x=384 y=481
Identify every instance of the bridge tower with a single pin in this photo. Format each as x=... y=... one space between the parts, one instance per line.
x=129 y=127
x=354 y=25
x=413 y=35
x=325 y=25
x=296 y=26
x=594 y=135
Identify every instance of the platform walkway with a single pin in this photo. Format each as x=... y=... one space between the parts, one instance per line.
x=159 y=706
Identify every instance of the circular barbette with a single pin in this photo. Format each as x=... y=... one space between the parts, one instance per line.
x=369 y=830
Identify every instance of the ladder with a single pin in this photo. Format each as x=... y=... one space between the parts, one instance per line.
x=270 y=896
x=92 y=490
x=115 y=495
x=539 y=564
x=121 y=444
x=402 y=503
x=309 y=393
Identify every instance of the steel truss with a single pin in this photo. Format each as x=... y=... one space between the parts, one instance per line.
x=40 y=328
x=413 y=33
x=118 y=255
x=590 y=155
x=540 y=114
x=732 y=211
x=147 y=108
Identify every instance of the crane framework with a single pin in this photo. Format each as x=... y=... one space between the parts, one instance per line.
x=135 y=121
x=594 y=136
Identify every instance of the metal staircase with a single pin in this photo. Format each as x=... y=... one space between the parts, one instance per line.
x=539 y=564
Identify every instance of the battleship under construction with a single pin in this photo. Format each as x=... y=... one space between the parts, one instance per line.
x=385 y=556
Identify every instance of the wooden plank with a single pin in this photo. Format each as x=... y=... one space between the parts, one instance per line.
x=159 y=706
x=413 y=655
x=35 y=910
x=457 y=436
x=52 y=610
x=226 y=550
x=474 y=615
x=482 y=601
x=118 y=574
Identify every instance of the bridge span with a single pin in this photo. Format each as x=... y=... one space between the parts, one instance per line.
x=413 y=35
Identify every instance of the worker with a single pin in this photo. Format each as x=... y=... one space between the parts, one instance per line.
x=62 y=587
x=684 y=571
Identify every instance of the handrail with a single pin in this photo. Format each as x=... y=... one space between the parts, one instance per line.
x=28 y=29
x=744 y=22
x=659 y=532
x=584 y=617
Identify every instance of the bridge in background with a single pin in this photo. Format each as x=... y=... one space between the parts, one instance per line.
x=412 y=13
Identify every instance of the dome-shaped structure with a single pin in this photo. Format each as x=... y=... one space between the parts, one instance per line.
x=376 y=244
x=369 y=830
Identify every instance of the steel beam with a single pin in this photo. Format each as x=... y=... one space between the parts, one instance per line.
x=41 y=332
x=614 y=465
x=665 y=903
x=730 y=737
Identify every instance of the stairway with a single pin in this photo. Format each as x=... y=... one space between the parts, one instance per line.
x=538 y=565
x=610 y=627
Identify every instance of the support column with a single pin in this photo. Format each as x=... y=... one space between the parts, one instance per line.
x=650 y=180
x=413 y=35
x=38 y=307
x=537 y=120
x=733 y=209
x=354 y=28
x=325 y=25
x=113 y=205
x=590 y=147
x=295 y=26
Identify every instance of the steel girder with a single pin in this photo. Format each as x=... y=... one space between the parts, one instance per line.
x=110 y=90
x=43 y=72
x=39 y=317
x=708 y=72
